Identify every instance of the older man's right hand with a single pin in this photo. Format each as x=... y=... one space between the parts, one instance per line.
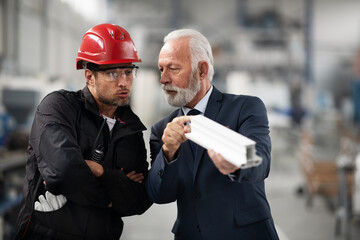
x=174 y=136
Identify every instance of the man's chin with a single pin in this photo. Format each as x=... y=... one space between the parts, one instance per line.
x=174 y=103
x=122 y=103
x=180 y=99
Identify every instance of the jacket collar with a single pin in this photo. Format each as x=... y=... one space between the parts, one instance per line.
x=90 y=103
x=124 y=115
x=214 y=104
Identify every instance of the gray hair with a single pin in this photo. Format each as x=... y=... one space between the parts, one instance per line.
x=200 y=49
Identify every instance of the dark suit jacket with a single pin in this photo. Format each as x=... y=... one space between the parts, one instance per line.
x=210 y=205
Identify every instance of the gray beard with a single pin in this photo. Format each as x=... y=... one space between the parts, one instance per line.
x=184 y=95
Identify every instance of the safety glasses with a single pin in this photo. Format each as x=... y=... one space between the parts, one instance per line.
x=115 y=73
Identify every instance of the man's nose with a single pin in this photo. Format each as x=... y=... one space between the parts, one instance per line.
x=122 y=81
x=165 y=77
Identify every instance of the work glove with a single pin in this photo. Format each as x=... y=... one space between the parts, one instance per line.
x=50 y=202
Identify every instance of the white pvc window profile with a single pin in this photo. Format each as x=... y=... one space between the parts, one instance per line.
x=234 y=147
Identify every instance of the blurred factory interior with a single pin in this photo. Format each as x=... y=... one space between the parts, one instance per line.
x=301 y=57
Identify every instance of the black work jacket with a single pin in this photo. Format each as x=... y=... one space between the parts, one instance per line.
x=63 y=134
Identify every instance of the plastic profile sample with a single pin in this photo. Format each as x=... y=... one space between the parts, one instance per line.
x=234 y=147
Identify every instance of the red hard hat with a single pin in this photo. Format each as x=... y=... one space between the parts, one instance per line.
x=107 y=44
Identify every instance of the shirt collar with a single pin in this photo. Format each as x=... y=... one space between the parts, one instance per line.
x=201 y=106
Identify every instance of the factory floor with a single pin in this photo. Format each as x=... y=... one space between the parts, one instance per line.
x=293 y=218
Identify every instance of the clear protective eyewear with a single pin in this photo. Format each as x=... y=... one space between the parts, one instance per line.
x=115 y=73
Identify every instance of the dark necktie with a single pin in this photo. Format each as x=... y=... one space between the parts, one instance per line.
x=192 y=144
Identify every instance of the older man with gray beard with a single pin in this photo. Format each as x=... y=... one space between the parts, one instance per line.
x=215 y=199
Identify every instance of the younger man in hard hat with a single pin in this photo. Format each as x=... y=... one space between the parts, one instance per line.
x=86 y=156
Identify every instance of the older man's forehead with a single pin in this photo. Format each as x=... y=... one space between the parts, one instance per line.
x=174 y=51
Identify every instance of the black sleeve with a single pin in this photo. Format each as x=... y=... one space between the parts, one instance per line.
x=59 y=157
x=128 y=197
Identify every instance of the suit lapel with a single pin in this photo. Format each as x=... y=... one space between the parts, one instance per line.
x=212 y=109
